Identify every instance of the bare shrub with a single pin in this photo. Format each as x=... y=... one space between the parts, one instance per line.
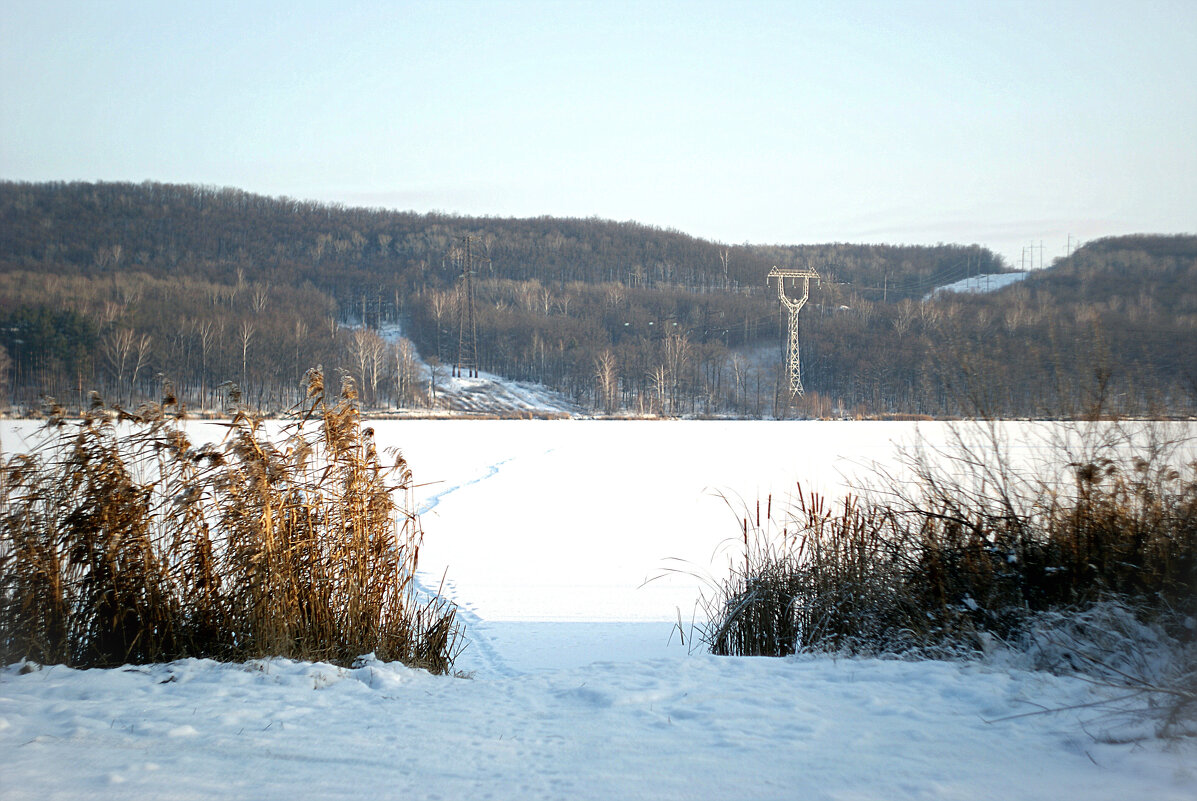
x=1148 y=676
x=970 y=550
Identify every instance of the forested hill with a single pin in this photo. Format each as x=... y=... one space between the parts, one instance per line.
x=117 y=287
x=209 y=233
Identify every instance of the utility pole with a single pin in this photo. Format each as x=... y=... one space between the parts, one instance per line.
x=793 y=306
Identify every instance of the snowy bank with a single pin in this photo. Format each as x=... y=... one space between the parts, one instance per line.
x=691 y=727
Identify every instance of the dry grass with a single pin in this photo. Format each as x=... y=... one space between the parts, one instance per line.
x=971 y=550
x=122 y=541
x=813 y=576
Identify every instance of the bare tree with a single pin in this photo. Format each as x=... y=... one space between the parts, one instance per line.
x=563 y=303
x=110 y=312
x=677 y=360
x=300 y=333
x=5 y=366
x=740 y=376
x=116 y=347
x=144 y=344
x=405 y=372
x=615 y=296
x=930 y=312
x=904 y=317
x=260 y=297
x=368 y=351
x=442 y=306
x=378 y=363
x=607 y=381
x=659 y=380
x=246 y=332
x=206 y=332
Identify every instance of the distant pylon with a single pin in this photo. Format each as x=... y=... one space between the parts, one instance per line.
x=467 y=330
x=794 y=306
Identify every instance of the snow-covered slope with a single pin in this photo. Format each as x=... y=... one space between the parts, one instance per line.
x=492 y=394
x=486 y=394
x=980 y=283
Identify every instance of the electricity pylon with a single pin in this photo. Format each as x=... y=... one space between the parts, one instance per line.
x=467 y=329
x=793 y=305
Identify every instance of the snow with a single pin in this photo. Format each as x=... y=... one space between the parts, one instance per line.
x=580 y=687
x=991 y=282
x=484 y=393
x=696 y=727
x=565 y=520
x=487 y=393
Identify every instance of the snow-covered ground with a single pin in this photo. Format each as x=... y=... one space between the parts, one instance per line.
x=991 y=282
x=683 y=728
x=580 y=686
x=597 y=506
x=488 y=393
x=483 y=394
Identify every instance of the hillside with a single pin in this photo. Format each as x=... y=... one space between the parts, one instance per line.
x=118 y=287
x=210 y=234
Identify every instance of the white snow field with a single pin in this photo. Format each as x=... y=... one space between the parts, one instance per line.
x=579 y=685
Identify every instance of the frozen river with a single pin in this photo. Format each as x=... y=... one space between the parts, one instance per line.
x=563 y=522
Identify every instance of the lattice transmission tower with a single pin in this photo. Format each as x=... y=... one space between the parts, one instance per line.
x=467 y=329
x=793 y=305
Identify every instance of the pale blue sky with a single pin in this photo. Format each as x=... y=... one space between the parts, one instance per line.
x=1001 y=123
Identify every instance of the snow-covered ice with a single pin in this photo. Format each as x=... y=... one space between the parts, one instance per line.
x=545 y=532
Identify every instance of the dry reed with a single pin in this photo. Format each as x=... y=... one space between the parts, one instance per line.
x=121 y=541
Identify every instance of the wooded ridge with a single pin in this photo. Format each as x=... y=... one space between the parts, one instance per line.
x=117 y=288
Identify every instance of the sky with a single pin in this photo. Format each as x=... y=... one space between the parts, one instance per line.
x=1006 y=124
